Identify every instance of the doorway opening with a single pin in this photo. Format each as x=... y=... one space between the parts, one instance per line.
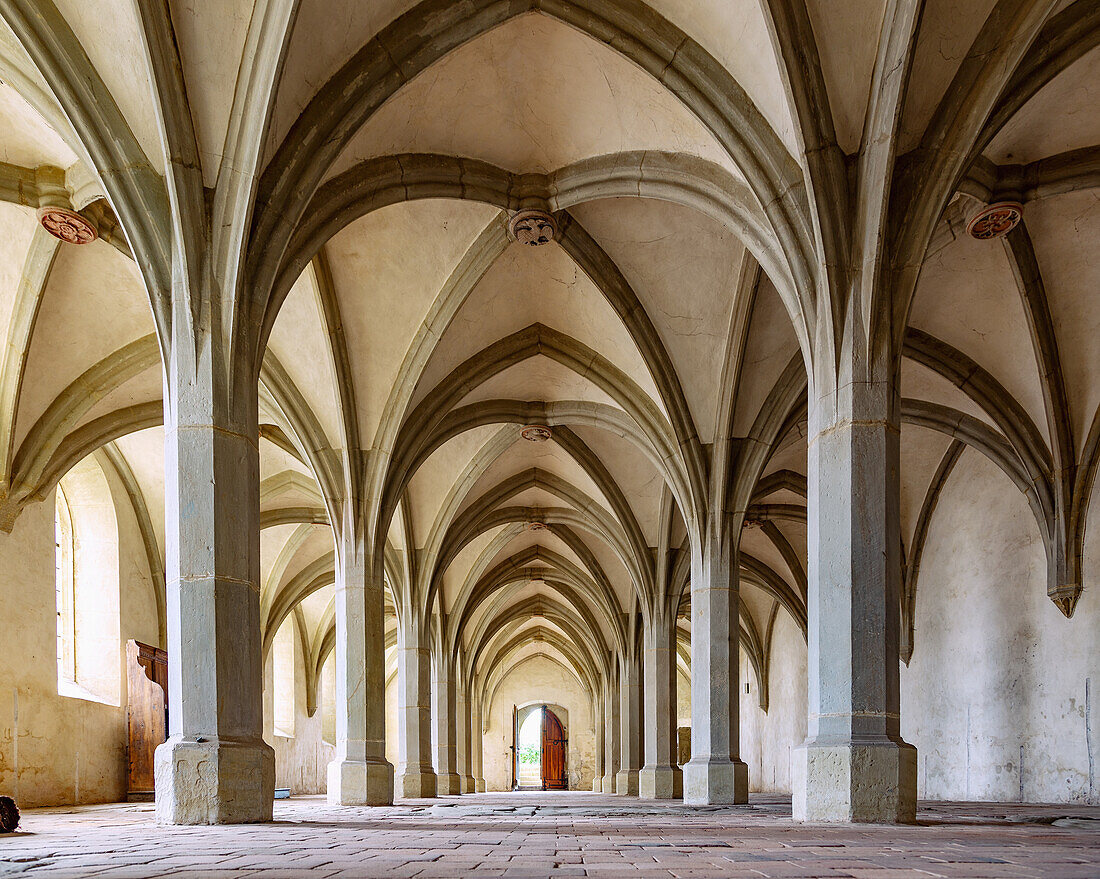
x=539 y=752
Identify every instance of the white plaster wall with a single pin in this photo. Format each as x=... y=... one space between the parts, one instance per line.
x=539 y=679
x=683 y=699
x=393 y=747
x=994 y=697
x=301 y=760
x=55 y=749
x=767 y=739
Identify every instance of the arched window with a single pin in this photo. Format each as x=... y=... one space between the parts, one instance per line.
x=283 y=681
x=328 y=700
x=64 y=584
x=86 y=569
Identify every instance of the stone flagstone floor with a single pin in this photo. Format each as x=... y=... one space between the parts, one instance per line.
x=559 y=835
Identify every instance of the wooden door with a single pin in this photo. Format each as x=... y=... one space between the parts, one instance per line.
x=515 y=747
x=146 y=712
x=553 y=752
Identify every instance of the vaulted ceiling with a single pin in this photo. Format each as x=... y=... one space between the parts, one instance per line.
x=659 y=324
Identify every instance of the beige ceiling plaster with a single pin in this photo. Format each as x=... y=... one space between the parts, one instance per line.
x=530 y=285
x=947 y=30
x=526 y=539
x=274 y=460
x=387 y=270
x=759 y=545
x=532 y=95
x=314 y=607
x=754 y=599
x=1061 y=229
x=549 y=457
x=94 y=304
x=539 y=498
x=548 y=540
x=326 y=34
x=300 y=340
x=316 y=545
x=967 y=296
x=635 y=474
x=796 y=534
x=770 y=345
x=516 y=595
x=921 y=453
x=111 y=35
x=272 y=541
x=1063 y=116
x=454 y=577
x=396 y=534
x=142 y=388
x=211 y=36
x=791 y=456
x=25 y=138
x=725 y=29
x=847 y=36
x=918 y=382
x=433 y=481
x=17 y=226
x=144 y=452
x=684 y=268
x=291 y=495
x=615 y=570
x=538 y=378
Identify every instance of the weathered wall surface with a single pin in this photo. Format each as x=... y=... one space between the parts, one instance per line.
x=60 y=749
x=995 y=695
x=535 y=678
x=767 y=738
x=301 y=760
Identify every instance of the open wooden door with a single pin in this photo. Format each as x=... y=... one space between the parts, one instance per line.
x=553 y=752
x=147 y=714
x=515 y=746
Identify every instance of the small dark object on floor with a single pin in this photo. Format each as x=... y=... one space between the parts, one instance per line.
x=9 y=815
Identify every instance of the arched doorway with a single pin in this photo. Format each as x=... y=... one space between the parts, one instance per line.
x=539 y=753
x=553 y=752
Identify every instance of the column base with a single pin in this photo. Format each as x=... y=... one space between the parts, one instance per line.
x=480 y=785
x=872 y=782
x=712 y=782
x=448 y=784
x=469 y=784
x=597 y=784
x=214 y=781
x=626 y=783
x=660 y=783
x=417 y=782
x=360 y=783
x=607 y=784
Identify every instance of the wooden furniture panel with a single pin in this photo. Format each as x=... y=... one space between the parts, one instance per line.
x=146 y=713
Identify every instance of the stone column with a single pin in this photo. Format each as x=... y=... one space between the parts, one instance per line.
x=215 y=767
x=416 y=777
x=465 y=740
x=478 y=740
x=715 y=773
x=611 y=737
x=360 y=774
x=599 y=752
x=448 y=782
x=630 y=726
x=854 y=765
x=660 y=778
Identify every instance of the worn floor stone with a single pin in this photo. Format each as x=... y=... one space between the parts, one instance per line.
x=558 y=834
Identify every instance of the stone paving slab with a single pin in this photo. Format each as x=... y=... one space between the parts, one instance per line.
x=557 y=834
